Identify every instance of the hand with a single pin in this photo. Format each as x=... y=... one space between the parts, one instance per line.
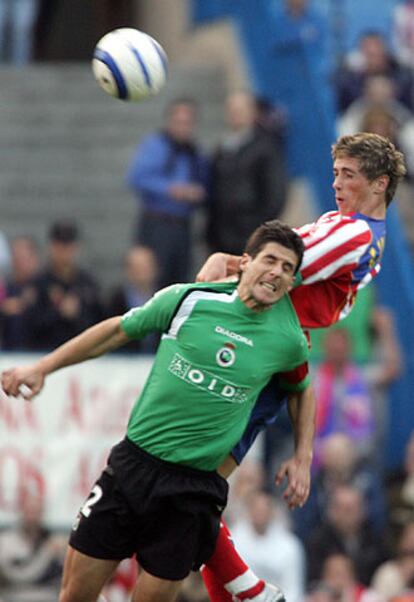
x=215 y=268
x=25 y=382
x=298 y=475
x=188 y=193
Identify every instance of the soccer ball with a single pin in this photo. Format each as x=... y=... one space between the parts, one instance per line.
x=129 y=64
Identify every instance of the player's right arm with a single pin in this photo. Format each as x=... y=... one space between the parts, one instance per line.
x=219 y=266
x=333 y=245
x=93 y=342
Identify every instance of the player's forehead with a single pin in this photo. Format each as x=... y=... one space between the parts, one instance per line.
x=278 y=251
x=347 y=163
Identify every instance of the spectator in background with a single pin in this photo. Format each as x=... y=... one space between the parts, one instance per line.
x=378 y=92
x=269 y=547
x=247 y=180
x=345 y=531
x=31 y=558
x=351 y=400
x=168 y=174
x=65 y=297
x=380 y=119
x=403 y=32
x=400 y=492
x=396 y=576
x=18 y=293
x=380 y=113
x=373 y=58
x=272 y=119
x=338 y=573
x=141 y=271
x=341 y=465
x=320 y=592
x=248 y=478
x=344 y=400
x=17 y=21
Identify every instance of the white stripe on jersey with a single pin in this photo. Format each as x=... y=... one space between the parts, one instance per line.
x=188 y=305
x=332 y=240
x=349 y=259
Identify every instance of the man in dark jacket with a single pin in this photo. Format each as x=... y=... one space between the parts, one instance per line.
x=65 y=298
x=248 y=179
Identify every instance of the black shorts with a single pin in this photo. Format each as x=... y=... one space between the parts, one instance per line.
x=168 y=514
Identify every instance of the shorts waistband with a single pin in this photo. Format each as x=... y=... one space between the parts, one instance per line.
x=171 y=466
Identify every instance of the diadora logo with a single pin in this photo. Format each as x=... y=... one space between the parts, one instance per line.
x=234 y=335
x=210 y=383
x=226 y=356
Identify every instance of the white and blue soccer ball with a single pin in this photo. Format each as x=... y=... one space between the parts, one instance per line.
x=129 y=64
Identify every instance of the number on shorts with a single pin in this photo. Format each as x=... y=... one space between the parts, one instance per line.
x=94 y=497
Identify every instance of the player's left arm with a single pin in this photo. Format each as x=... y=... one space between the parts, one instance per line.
x=297 y=469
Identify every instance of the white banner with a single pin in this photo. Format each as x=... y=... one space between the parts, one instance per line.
x=58 y=443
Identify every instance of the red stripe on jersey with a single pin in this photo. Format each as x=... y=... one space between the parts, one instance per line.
x=293 y=377
x=310 y=241
x=319 y=305
x=335 y=254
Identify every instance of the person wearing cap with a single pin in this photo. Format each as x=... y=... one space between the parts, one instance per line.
x=66 y=298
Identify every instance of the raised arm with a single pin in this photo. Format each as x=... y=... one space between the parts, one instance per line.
x=27 y=381
x=302 y=411
x=219 y=266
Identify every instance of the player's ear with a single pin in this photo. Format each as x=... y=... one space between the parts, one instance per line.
x=381 y=184
x=292 y=282
x=245 y=261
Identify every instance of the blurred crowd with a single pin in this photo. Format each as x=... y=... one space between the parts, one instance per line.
x=354 y=539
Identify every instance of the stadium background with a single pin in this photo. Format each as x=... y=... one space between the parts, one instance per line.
x=65 y=146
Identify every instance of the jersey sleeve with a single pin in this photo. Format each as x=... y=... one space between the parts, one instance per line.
x=155 y=315
x=334 y=245
x=297 y=379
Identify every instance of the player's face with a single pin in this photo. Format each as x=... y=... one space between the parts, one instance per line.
x=267 y=277
x=353 y=191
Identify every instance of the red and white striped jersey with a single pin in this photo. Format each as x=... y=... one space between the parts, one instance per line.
x=342 y=254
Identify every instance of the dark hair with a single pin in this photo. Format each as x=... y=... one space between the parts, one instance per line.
x=275 y=231
x=376 y=155
x=64 y=231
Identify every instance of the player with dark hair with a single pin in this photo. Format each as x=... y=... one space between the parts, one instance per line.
x=160 y=495
x=343 y=251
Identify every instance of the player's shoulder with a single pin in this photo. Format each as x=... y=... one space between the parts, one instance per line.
x=184 y=289
x=353 y=224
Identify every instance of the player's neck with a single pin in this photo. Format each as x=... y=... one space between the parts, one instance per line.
x=373 y=209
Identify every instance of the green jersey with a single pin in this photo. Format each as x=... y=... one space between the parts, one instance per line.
x=215 y=357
